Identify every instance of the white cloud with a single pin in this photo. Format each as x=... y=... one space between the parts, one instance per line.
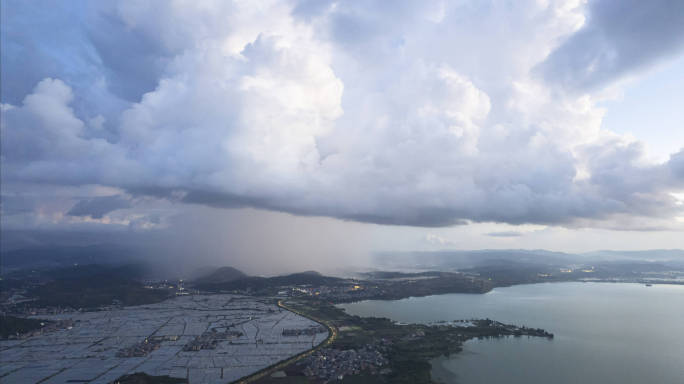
x=422 y=114
x=433 y=239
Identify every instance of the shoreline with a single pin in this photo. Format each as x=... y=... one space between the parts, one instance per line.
x=563 y=305
x=647 y=284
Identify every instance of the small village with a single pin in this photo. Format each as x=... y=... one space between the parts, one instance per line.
x=332 y=364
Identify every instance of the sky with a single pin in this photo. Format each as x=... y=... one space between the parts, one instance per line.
x=287 y=134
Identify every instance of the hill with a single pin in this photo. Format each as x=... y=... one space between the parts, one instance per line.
x=92 y=286
x=269 y=284
x=63 y=256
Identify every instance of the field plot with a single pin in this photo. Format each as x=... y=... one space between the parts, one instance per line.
x=207 y=339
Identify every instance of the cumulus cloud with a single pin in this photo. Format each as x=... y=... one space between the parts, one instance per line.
x=426 y=114
x=44 y=141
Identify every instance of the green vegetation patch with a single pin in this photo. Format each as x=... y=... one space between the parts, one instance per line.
x=95 y=291
x=11 y=325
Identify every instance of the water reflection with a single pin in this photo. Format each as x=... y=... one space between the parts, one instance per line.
x=605 y=333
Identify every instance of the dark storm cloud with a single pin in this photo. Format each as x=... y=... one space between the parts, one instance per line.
x=220 y=200
x=132 y=61
x=97 y=207
x=619 y=37
x=419 y=218
x=426 y=217
x=13 y=205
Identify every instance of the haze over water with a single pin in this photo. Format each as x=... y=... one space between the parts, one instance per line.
x=605 y=333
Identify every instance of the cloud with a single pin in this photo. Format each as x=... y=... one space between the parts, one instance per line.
x=97 y=207
x=618 y=38
x=431 y=238
x=676 y=165
x=505 y=234
x=43 y=140
x=422 y=114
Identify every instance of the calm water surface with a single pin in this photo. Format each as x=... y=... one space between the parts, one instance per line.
x=605 y=333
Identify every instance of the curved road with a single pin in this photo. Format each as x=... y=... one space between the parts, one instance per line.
x=332 y=335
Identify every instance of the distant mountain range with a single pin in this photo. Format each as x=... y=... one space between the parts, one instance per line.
x=62 y=256
x=650 y=255
x=237 y=280
x=84 y=277
x=114 y=255
x=451 y=259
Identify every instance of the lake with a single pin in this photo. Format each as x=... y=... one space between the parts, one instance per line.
x=605 y=333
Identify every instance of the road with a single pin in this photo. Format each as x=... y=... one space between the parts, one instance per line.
x=332 y=335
